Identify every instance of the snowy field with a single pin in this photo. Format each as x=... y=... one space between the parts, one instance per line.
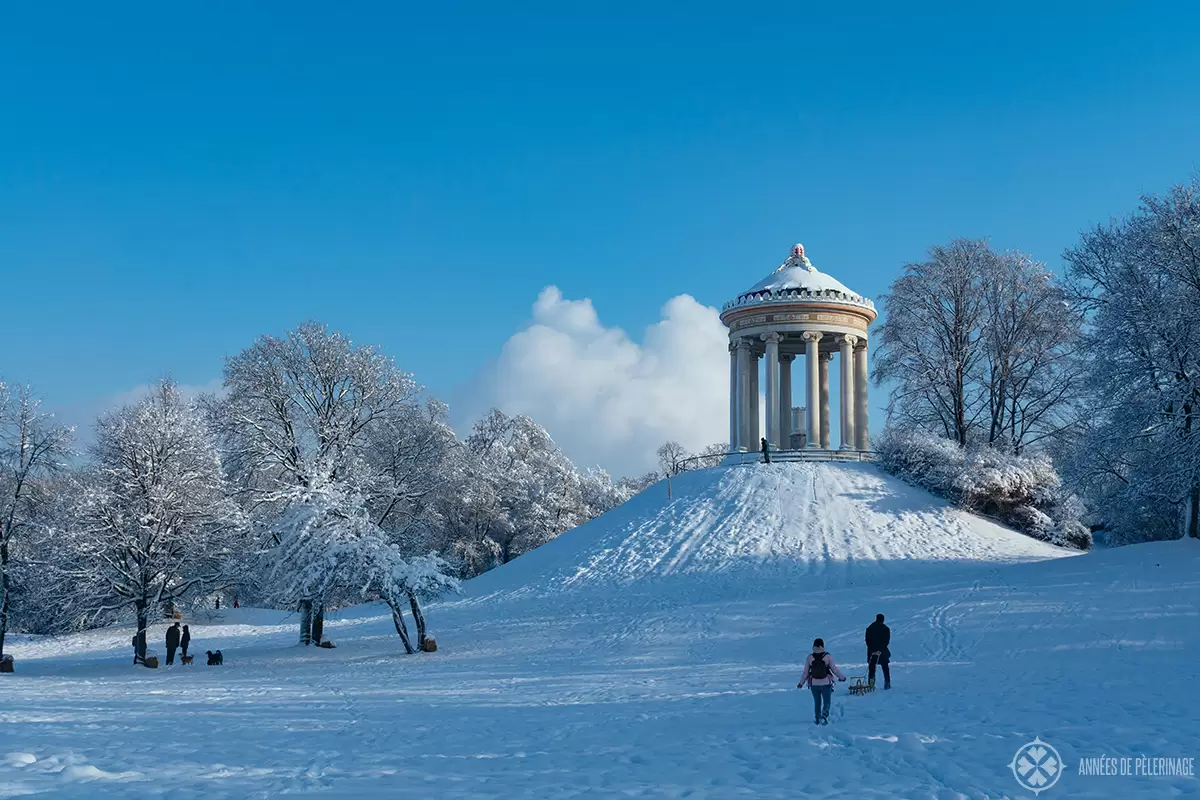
x=654 y=653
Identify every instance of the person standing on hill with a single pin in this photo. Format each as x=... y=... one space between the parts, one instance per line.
x=766 y=451
x=879 y=636
x=184 y=641
x=819 y=670
x=172 y=642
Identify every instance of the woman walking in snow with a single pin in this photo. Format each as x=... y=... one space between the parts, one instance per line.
x=819 y=670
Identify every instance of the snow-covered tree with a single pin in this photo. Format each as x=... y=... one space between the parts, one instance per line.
x=32 y=449
x=1023 y=490
x=330 y=550
x=303 y=407
x=710 y=455
x=156 y=524
x=399 y=580
x=536 y=487
x=307 y=411
x=1137 y=453
x=336 y=456
x=508 y=489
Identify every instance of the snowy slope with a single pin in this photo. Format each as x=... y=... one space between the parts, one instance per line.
x=825 y=523
x=612 y=679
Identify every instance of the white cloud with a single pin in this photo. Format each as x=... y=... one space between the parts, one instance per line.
x=605 y=398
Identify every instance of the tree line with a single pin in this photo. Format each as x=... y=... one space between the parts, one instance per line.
x=1098 y=369
x=321 y=475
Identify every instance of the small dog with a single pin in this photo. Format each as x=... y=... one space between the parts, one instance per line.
x=187 y=659
x=215 y=659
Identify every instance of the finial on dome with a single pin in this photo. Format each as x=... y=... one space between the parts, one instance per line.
x=798 y=258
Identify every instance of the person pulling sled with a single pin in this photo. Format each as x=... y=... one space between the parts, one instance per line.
x=819 y=670
x=879 y=636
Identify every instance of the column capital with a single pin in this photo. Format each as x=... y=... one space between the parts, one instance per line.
x=741 y=343
x=787 y=357
x=825 y=356
x=770 y=337
x=811 y=336
x=862 y=345
x=847 y=339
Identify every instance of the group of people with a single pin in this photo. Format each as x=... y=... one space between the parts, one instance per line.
x=177 y=639
x=820 y=669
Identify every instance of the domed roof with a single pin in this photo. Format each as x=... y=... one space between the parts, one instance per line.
x=797 y=280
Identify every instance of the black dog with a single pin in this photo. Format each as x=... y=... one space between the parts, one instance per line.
x=215 y=659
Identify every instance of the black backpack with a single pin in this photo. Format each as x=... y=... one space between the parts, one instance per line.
x=819 y=668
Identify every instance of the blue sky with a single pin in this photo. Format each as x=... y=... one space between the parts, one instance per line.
x=176 y=180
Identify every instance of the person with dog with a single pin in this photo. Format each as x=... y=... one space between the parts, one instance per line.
x=819 y=670
x=172 y=642
x=184 y=641
x=879 y=636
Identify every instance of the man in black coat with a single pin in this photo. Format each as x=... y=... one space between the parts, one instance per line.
x=184 y=641
x=172 y=642
x=879 y=636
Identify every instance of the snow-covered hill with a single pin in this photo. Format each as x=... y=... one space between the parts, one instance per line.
x=798 y=523
x=654 y=653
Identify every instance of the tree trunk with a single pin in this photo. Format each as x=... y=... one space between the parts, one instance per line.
x=420 y=620
x=306 y=619
x=1193 y=524
x=142 y=605
x=401 y=628
x=3 y=592
x=318 y=623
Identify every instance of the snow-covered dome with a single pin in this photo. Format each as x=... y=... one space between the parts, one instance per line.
x=797 y=280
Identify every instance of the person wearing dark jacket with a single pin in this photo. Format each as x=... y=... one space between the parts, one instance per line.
x=184 y=641
x=766 y=450
x=172 y=642
x=879 y=636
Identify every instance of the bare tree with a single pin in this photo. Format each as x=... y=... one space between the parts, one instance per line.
x=1029 y=338
x=32 y=448
x=979 y=345
x=931 y=342
x=671 y=457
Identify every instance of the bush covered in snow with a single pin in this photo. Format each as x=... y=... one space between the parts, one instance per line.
x=1022 y=491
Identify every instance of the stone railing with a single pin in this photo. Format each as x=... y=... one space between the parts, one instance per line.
x=803 y=295
x=756 y=457
x=766 y=297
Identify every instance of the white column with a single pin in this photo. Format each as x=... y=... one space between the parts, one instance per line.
x=825 y=415
x=772 y=340
x=846 y=343
x=733 y=397
x=743 y=405
x=813 y=432
x=755 y=428
x=860 y=396
x=785 y=401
